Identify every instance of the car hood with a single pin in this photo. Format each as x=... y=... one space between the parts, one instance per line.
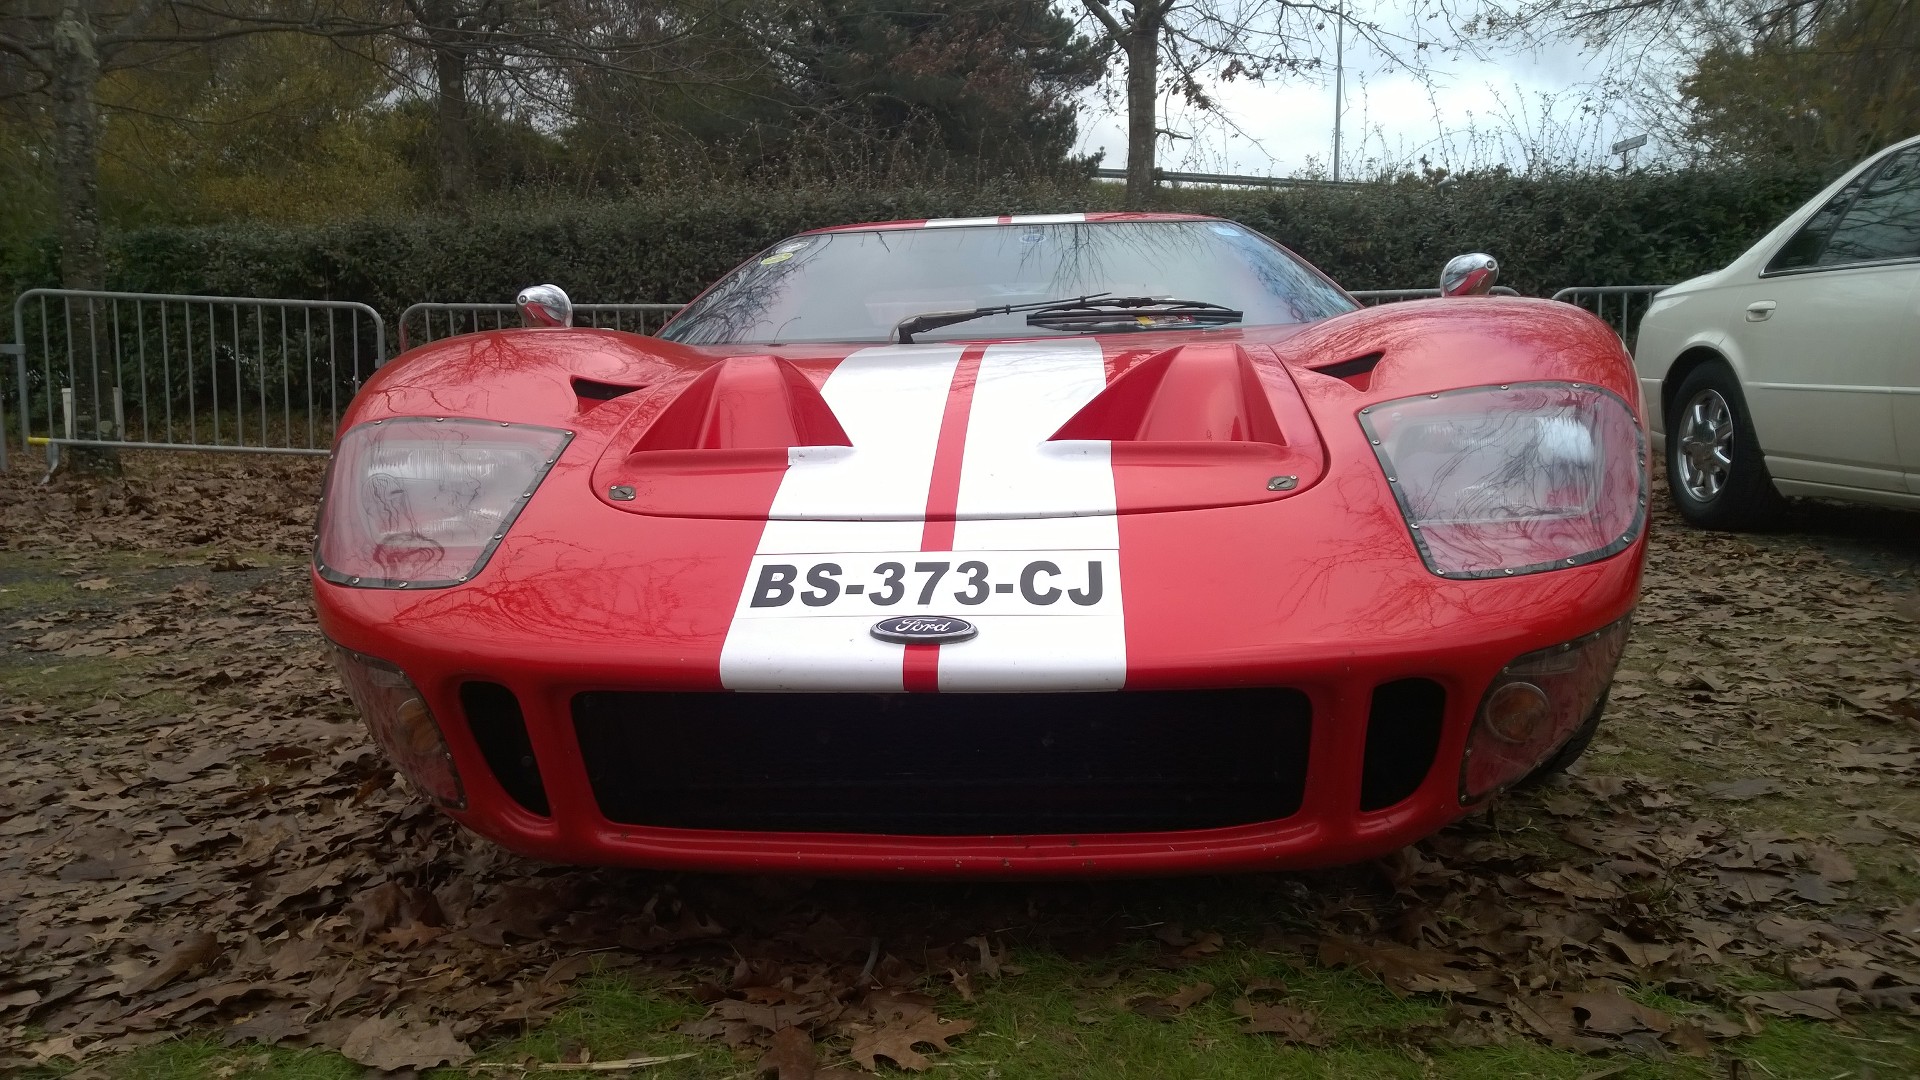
x=1053 y=428
x=967 y=432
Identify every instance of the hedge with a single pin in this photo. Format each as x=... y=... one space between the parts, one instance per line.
x=1548 y=232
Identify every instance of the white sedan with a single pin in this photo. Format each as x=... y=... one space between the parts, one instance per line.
x=1796 y=370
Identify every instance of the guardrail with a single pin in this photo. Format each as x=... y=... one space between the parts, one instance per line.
x=633 y=318
x=167 y=371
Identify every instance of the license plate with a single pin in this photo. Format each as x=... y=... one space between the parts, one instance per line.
x=962 y=583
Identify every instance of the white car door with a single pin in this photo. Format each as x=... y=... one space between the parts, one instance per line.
x=1827 y=328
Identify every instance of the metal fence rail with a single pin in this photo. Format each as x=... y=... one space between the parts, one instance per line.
x=163 y=371
x=1376 y=297
x=1628 y=304
x=176 y=372
x=470 y=318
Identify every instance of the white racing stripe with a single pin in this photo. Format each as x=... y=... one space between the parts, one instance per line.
x=890 y=401
x=1019 y=495
x=1024 y=393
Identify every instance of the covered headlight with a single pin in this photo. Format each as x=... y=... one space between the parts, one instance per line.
x=1513 y=479
x=419 y=502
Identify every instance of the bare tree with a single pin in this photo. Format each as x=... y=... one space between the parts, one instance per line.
x=1197 y=41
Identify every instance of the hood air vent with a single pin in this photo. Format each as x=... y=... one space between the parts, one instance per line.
x=1357 y=372
x=1192 y=394
x=745 y=403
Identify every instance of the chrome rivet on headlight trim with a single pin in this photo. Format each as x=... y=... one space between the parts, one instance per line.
x=439 y=419
x=1283 y=483
x=1509 y=571
x=621 y=492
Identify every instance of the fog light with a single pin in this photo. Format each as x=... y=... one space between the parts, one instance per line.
x=1534 y=706
x=401 y=724
x=1514 y=712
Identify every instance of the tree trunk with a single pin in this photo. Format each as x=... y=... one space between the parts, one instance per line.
x=456 y=148
x=446 y=39
x=76 y=146
x=1143 y=97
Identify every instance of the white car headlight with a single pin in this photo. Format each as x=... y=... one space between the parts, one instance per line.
x=1517 y=479
x=419 y=502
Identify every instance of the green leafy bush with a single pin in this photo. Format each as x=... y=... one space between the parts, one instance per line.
x=1548 y=232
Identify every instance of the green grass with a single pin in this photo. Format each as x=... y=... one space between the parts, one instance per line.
x=1047 y=1025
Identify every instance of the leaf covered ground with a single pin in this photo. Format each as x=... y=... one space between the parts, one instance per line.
x=205 y=869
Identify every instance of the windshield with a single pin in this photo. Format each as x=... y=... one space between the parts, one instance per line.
x=857 y=286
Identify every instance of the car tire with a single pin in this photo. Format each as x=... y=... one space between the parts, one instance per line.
x=1716 y=473
x=1569 y=751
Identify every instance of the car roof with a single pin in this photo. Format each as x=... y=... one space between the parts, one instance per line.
x=1011 y=219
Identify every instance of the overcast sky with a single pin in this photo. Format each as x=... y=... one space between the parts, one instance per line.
x=1464 y=112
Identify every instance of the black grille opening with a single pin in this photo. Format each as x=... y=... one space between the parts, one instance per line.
x=946 y=764
x=493 y=716
x=1403 y=734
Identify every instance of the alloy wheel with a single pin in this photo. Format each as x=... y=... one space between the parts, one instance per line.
x=1706 y=446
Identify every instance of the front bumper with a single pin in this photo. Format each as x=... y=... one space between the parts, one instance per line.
x=1341 y=810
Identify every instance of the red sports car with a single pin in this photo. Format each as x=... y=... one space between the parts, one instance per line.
x=1061 y=544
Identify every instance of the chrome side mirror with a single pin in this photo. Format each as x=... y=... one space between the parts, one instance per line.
x=544 y=305
x=1469 y=275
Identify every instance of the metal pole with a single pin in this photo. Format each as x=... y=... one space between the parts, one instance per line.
x=1339 y=81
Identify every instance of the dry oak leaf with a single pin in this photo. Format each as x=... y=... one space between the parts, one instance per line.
x=1416 y=971
x=1166 y=1008
x=201 y=948
x=896 y=1041
x=791 y=1056
x=1612 y=1014
x=1832 y=864
x=1816 y=1004
x=388 y=1044
x=1292 y=1023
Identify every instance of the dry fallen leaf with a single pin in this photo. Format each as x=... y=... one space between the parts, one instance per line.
x=896 y=1041
x=388 y=1044
x=1290 y=1022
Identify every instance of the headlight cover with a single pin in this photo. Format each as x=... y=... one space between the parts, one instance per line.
x=1558 y=689
x=401 y=724
x=1502 y=480
x=419 y=502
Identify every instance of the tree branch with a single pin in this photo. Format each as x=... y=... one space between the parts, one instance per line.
x=1106 y=18
x=25 y=52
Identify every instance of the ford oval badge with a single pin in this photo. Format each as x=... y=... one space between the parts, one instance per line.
x=924 y=629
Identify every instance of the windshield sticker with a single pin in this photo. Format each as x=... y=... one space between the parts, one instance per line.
x=1226 y=230
x=1033 y=236
x=776 y=257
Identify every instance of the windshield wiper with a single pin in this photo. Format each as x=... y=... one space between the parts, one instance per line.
x=904 y=330
x=1113 y=313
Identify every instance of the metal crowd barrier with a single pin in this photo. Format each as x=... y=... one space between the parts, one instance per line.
x=1629 y=304
x=1376 y=297
x=162 y=371
x=471 y=318
x=173 y=372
